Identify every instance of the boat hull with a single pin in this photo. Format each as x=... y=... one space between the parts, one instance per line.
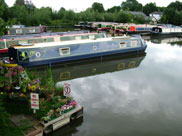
x=72 y=58
x=3 y=51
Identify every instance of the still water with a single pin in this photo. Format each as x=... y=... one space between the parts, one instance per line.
x=135 y=96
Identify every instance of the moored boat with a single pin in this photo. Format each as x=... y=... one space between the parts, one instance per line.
x=86 y=46
x=167 y=30
x=22 y=30
x=139 y=29
x=8 y=40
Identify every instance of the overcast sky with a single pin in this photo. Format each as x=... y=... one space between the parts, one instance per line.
x=79 y=5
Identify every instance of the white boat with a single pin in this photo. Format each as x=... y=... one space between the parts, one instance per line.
x=167 y=30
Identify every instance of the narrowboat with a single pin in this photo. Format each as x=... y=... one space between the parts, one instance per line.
x=142 y=29
x=8 y=40
x=74 y=47
x=22 y=30
x=167 y=30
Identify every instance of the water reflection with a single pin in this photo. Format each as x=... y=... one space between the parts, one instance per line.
x=85 y=68
x=173 y=40
x=143 y=101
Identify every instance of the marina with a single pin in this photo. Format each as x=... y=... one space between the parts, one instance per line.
x=89 y=69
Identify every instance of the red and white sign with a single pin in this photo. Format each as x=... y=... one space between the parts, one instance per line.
x=34 y=101
x=67 y=89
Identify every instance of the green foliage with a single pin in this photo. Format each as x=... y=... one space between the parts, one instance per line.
x=173 y=13
x=114 y=9
x=139 y=19
x=4 y=13
x=6 y=128
x=22 y=14
x=149 y=8
x=19 y=2
x=131 y=5
x=124 y=17
x=2 y=27
x=98 y=7
x=177 y=5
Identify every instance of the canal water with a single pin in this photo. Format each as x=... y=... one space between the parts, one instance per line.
x=128 y=96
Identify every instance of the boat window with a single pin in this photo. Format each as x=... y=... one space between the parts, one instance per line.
x=122 y=44
x=132 y=64
x=32 y=41
x=31 y=30
x=50 y=40
x=78 y=38
x=85 y=37
x=65 y=75
x=23 y=42
x=91 y=36
x=2 y=45
x=134 y=43
x=64 y=51
x=67 y=38
x=121 y=66
x=45 y=40
x=10 y=43
x=19 y=31
x=99 y=36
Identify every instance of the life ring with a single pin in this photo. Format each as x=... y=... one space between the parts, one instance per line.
x=94 y=47
x=37 y=54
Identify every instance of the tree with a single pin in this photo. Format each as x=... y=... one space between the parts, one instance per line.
x=61 y=13
x=20 y=13
x=3 y=10
x=19 y=2
x=2 y=27
x=139 y=19
x=123 y=17
x=176 y=5
x=169 y=15
x=149 y=8
x=98 y=7
x=131 y=5
x=114 y=9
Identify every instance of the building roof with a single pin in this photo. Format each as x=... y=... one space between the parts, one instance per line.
x=138 y=13
x=157 y=12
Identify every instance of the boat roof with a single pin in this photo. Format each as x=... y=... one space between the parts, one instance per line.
x=167 y=26
x=62 y=43
x=46 y=34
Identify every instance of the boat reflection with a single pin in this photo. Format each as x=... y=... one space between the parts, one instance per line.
x=85 y=68
x=171 y=40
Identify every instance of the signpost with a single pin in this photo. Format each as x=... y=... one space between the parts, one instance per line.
x=67 y=89
x=34 y=101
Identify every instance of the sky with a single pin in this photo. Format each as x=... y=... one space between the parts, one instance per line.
x=80 y=5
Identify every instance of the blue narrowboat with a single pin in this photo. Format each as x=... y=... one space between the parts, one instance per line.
x=74 y=47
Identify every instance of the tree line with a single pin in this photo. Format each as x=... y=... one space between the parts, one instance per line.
x=27 y=14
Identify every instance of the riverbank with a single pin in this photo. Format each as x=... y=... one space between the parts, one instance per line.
x=29 y=101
